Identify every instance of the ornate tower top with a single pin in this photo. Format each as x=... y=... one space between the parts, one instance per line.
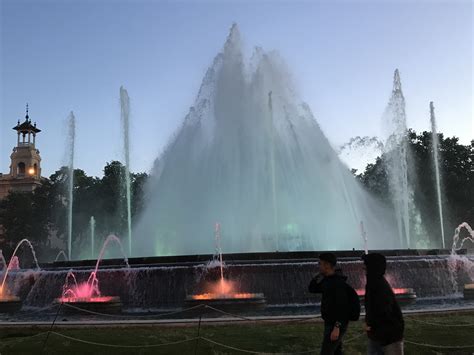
x=25 y=159
x=26 y=128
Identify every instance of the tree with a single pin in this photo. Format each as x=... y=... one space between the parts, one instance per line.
x=457 y=181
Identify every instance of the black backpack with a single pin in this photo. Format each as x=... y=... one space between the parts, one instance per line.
x=354 y=304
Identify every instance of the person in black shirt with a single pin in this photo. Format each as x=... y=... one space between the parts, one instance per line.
x=384 y=319
x=334 y=303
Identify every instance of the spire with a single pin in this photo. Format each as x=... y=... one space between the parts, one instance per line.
x=27 y=116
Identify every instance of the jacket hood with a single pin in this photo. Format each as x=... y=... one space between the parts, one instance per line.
x=338 y=274
x=375 y=263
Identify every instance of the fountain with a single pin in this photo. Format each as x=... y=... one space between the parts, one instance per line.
x=2 y=259
x=435 y=142
x=455 y=260
x=222 y=293
x=61 y=253
x=92 y=231
x=87 y=295
x=396 y=155
x=71 y=142
x=251 y=154
x=125 y=117
x=10 y=303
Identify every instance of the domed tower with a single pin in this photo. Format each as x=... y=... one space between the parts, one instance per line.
x=25 y=159
x=25 y=166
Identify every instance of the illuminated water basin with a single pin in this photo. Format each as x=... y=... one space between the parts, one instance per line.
x=99 y=299
x=404 y=296
x=96 y=304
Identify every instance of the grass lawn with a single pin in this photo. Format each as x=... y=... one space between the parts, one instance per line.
x=264 y=337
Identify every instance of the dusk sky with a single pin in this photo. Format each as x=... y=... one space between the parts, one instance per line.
x=74 y=55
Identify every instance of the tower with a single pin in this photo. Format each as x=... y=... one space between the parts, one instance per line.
x=25 y=159
x=25 y=165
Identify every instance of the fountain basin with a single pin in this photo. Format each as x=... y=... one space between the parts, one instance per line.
x=404 y=296
x=468 y=291
x=10 y=304
x=99 y=304
x=233 y=302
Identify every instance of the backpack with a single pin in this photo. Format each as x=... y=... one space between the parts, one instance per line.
x=354 y=304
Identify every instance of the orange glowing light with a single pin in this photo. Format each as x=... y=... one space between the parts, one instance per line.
x=31 y=171
x=396 y=291
x=98 y=299
x=222 y=290
x=213 y=296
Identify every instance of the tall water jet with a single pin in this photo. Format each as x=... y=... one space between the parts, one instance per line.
x=396 y=148
x=258 y=164
x=92 y=231
x=363 y=233
x=217 y=237
x=71 y=143
x=435 y=142
x=273 y=176
x=125 y=116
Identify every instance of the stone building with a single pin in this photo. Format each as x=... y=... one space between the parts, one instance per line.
x=25 y=161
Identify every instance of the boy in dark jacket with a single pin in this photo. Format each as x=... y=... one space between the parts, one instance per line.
x=334 y=303
x=384 y=319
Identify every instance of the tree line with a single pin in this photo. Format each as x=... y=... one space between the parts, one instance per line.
x=41 y=215
x=456 y=166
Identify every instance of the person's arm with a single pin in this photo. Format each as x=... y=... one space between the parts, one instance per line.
x=341 y=303
x=315 y=286
x=379 y=305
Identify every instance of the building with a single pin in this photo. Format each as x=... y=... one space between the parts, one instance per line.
x=25 y=161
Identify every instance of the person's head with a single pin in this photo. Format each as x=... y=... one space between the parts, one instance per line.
x=375 y=264
x=327 y=263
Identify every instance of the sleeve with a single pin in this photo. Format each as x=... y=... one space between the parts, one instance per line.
x=380 y=304
x=315 y=286
x=342 y=303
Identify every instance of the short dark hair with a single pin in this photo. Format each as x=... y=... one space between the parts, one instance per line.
x=329 y=258
x=375 y=263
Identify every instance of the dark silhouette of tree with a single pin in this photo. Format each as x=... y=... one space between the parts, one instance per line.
x=40 y=214
x=456 y=164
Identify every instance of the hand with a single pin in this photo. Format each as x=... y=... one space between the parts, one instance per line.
x=367 y=328
x=335 y=334
x=319 y=277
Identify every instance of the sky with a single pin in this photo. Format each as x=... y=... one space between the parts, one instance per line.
x=64 y=55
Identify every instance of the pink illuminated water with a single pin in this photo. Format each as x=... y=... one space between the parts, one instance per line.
x=14 y=264
x=89 y=291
